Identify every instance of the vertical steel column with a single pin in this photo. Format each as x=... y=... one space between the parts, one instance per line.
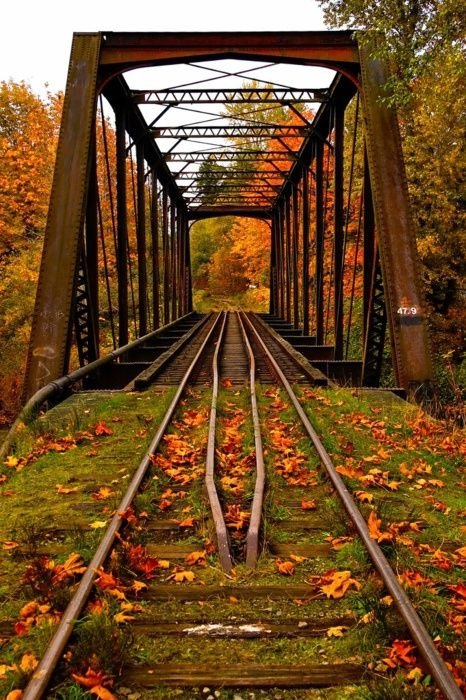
x=287 y=208
x=50 y=332
x=180 y=261
x=166 y=259
x=173 y=255
x=189 y=285
x=154 y=228
x=319 y=242
x=281 y=261
x=295 y=255
x=122 y=226
x=338 y=231
x=305 y=213
x=369 y=245
x=141 y=238
x=395 y=232
x=92 y=252
x=273 y=306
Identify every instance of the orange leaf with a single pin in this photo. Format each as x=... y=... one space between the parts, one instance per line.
x=308 y=505
x=286 y=568
x=90 y=679
x=10 y=545
x=15 y=695
x=187 y=522
x=337 y=583
x=102 y=494
x=103 y=693
x=196 y=558
x=102 y=429
x=374 y=524
x=400 y=654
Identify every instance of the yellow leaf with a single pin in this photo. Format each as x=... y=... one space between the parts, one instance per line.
x=28 y=663
x=337 y=631
x=11 y=461
x=364 y=496
x=97 y=524
x=138 y=586
x=123 y=617
x=181 y=576
x=65 y=489
x=297 y=558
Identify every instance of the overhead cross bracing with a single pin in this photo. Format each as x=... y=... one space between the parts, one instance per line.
x=234 y=130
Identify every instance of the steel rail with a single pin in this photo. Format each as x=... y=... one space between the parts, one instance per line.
x=41 y=677
x=252 y=537
x=223 y=544
x=434 y=661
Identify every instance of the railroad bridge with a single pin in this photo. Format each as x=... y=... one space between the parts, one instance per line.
x=137 y=166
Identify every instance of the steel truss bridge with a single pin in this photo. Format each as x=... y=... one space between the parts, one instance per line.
x=136 y=167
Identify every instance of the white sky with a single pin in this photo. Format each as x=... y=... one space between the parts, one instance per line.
x=35 y=35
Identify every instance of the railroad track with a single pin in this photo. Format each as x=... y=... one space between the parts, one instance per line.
x=217 y=601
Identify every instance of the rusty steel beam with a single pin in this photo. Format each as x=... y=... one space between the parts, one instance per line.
x=265 y=95
x=397 y=244
x=49 y=342
x=121 y=51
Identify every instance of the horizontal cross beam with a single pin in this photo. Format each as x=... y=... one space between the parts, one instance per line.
x=200 y=96
x=209 y=132
x=229 y=156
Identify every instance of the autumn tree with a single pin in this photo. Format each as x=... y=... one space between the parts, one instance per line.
x=423 y=41
x=28 y=135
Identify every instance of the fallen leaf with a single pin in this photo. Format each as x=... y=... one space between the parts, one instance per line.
x=308 y=505
x=103 y=693
x=90 y=679
x=11 y=461
x=97 y=524
x=15 y=695
x=180 y=576
x=9 y=544
x=102 y=429
x=187 y=522
x=29 y=663
x=198 y=558
x=337 y=631
x=364 y=496
x=65 y=490
x=335 y=584
x=286 y=568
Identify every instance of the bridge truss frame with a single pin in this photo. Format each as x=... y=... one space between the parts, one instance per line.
x=67 y=294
